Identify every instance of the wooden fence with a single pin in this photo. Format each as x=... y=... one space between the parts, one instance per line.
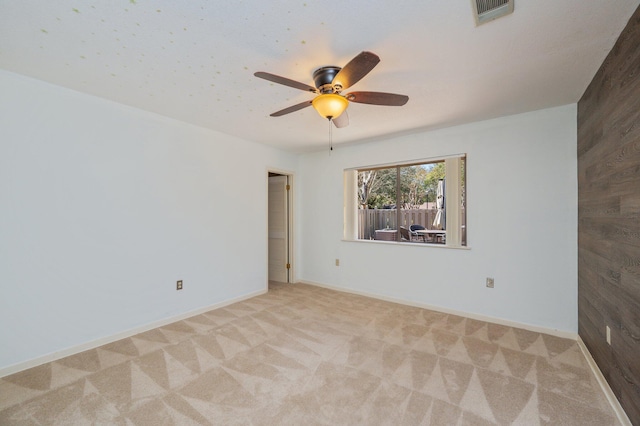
x=371 y=219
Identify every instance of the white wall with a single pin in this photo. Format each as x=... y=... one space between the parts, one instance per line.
x=522 y=222
x=103 y=207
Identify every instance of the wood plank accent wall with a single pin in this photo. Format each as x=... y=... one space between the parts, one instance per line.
x=609 y=218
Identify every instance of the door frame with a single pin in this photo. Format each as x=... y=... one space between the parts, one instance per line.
x=290 y=222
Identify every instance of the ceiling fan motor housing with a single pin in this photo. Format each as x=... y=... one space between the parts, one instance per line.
x=323 y=78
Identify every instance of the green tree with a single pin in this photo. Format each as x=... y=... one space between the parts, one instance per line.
x=418 y=184
x=376 y=188
x=368 y=184
x=413 y=186
x=434 y=174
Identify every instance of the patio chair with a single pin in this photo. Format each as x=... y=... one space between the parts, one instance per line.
x=405 y=234
x=414 y=228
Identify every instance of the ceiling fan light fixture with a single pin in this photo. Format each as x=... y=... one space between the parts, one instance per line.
x=330 y=105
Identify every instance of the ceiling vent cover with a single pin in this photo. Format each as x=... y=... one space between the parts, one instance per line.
x=488 y=10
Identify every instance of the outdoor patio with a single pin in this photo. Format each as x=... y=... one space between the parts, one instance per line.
x=382 y=224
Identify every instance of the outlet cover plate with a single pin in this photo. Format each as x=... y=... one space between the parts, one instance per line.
x=489 y=282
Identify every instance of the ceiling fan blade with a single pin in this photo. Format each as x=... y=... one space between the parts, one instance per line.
x=286 y=81
x=357 y=68
x=377 y=98
x=342 y=120
x=291 y=109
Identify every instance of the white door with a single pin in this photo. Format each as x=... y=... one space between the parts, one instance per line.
x=278 y=229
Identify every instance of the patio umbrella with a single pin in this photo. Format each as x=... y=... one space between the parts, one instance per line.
x=439 y=221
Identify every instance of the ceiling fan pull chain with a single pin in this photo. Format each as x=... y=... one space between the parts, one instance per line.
x=330 y=136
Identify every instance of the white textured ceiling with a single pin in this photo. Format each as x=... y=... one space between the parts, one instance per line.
x=193 y=60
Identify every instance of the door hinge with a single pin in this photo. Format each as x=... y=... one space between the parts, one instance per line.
x=288 y=187
x=288 y=266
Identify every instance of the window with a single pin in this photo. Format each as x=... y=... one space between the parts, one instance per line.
x=420 y=202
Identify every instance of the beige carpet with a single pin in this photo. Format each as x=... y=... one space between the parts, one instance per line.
x=303 y=355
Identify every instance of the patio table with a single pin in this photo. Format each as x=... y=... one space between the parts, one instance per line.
x=432 y=233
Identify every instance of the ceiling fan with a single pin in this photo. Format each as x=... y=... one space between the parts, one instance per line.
x=330 y=81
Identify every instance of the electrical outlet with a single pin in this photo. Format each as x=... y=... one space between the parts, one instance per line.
x=179 y=285
x=608 y=335
x=337 y=262
x=489 y=282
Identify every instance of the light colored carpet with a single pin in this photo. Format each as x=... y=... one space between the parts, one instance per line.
x=307 y=355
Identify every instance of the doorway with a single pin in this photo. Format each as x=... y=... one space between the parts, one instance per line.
x=279 y=228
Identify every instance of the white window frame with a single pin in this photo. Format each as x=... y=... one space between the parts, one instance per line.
x=453 y=194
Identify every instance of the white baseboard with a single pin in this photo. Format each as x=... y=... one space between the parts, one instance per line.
x=34 y=362
x=501 y=321
x=613 y=401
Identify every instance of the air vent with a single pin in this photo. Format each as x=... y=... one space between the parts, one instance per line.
x=488 y=10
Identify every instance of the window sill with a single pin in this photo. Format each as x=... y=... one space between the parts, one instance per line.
x=395 y=243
